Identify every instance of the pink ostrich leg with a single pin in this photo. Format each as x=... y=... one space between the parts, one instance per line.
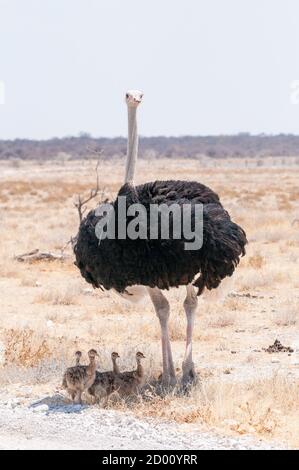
x=190 y=306
x=161 y=306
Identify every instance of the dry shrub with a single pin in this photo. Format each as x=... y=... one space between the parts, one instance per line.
x=222 y=321
x=177 y=327
x=29 y=281
x=256 y=261
x=285 y=206
x=147 y=327
x=273 y=234
x=235 y=304
x=9 y=269
x=62 y=296
x=24 y=347
x=292 y=243
x=10 y=274
x=45 y=371
x=251 y=279
x=287 y=316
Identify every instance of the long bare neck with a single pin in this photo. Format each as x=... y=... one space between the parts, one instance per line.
x=115 y=366
x=132 y=148
x=91 y=368
x=139 y=368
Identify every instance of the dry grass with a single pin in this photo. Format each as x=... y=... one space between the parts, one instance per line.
x=48 y=311
x=256 y=261
x=25 y=347
x=62 y=296
x=260 y=407
x=288 y=314
x=222 y=321
x=43 y=372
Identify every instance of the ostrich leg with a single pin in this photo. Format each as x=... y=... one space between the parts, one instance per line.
x=190 y=306
x=161 y=305
x=78 y=397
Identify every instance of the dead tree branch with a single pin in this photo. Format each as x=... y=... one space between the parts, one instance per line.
x=36 y=255
x=81 y=202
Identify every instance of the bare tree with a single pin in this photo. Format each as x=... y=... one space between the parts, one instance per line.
x=81 y=206
x=81 y=202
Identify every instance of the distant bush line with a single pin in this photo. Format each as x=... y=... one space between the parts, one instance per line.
x=84 y=146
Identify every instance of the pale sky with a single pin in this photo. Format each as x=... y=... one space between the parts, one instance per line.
x=205 y=66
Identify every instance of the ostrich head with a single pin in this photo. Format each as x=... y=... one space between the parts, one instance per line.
x=140 y=356
x=78 y=355
x=92 y=354
x=134 y=98
x=115 y=356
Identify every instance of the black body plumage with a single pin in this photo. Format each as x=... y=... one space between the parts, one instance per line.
x=162 y=263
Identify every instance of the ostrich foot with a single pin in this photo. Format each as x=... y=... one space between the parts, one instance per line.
x=167 y=381
x=190 y=377
x=77 y=400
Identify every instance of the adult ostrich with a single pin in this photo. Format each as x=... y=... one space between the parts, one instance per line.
x=158 y=263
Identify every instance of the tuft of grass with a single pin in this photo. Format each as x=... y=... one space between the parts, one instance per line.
x=222 y=321
x=256 y=261
x=45 y=371
x=62 y=296
x=29 y=281
x=287 y=316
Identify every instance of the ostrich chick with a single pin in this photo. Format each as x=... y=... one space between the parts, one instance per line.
x=103 y=384
x=79 y=378
x=78 y=356
x=114 y=357
x=130 y=382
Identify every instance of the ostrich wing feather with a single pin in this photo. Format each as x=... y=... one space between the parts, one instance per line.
x=162 y=263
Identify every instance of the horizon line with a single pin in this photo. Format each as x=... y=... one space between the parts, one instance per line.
x=88 y=135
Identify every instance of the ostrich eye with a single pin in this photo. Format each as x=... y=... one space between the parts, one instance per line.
x=127 y=95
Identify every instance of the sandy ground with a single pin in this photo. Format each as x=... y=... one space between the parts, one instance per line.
x=48 y=311
x=51 y=424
